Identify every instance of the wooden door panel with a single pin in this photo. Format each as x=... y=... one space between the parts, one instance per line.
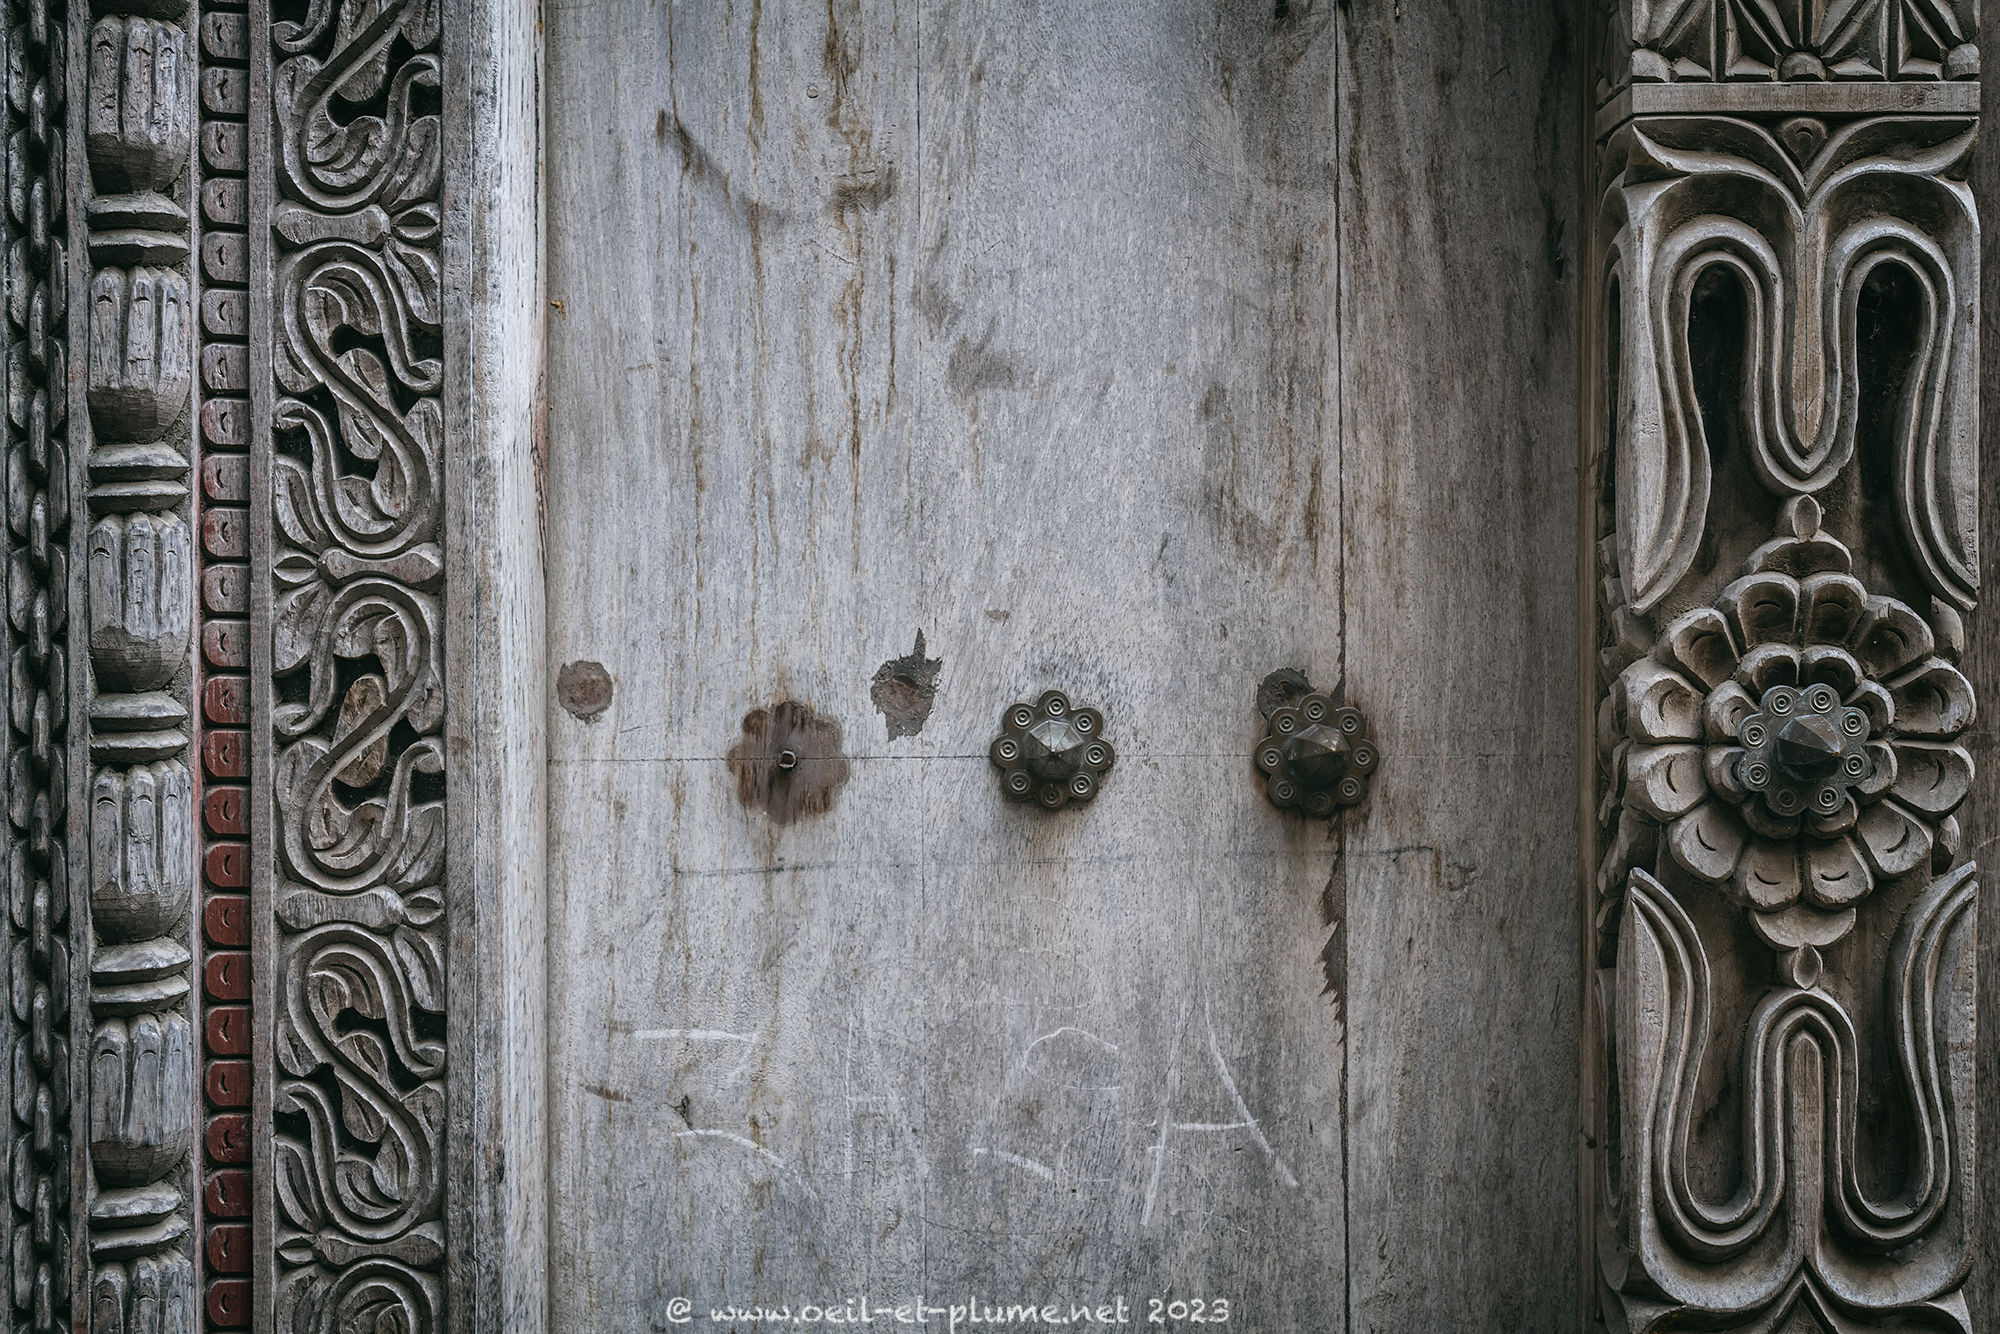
x=1459 y=374
x=1022 y=327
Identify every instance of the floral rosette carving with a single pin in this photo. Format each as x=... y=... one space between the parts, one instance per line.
x=1796 y=743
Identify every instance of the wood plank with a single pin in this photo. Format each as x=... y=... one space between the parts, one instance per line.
x=1013 y=329
x=497 y=1218
x=730 y=528
x=1127 y=233
x=1459 y=184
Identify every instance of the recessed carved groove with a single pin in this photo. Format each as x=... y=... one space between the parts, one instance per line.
x=1783 y=917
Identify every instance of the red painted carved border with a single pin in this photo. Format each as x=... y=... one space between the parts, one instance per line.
x=225 y=654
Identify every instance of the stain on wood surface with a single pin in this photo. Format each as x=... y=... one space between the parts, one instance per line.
x=788 y=764
x=584 y=689
x=904 y=689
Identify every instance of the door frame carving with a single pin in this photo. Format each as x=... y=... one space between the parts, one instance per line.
x=1781 y=436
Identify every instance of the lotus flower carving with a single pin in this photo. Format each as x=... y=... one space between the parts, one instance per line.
x=1796 y=741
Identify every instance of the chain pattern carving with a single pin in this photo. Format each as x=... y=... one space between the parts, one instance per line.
x=136 y=191
x=38 y=605
x=1787 y=415
x=359 y=708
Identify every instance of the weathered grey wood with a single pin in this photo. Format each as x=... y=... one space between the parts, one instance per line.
x=496 y=1222
x=1981 y=818
x=1784 y=1077
x=1457 y=307
x=1024 y=330
x=1009 y=328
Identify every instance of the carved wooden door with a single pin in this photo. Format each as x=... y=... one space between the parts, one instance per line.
x=908 y=361
x=1304 y=665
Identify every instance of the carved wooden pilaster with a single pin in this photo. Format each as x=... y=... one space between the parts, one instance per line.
x=130 y=228
x=1783 y=438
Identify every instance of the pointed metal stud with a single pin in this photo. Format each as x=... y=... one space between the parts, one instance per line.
x=1051 y=753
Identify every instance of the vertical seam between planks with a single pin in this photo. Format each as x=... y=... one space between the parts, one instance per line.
x=927 y=577
x=1339 y=832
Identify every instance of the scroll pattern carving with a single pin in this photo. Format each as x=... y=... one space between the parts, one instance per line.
x=38 y=528
x=223 y=438
x=358 y=573
x=1787 y=537
x=138 y=324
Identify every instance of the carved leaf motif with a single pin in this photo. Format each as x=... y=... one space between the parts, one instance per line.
x=1715 y=194
x=423 y=963
x=413 y=271
x=1748 y=1233
x=357 y=297
x=362 y=706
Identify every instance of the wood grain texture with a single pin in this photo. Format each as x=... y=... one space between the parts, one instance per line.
x=1024 y=328
x=1458 y=308
x=496 y=820
x=1981 y=815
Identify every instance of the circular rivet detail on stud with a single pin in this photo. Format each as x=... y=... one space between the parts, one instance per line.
x=1316 y=754
x=1050 y=752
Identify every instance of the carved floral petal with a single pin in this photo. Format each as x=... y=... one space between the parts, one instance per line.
x=1839 y=822
x=1664 y=781
x=1769 y=665
x=1835 y=874
x=1891 y=839
x=1931 y=778
x=1658 y=704
x=1832 y=605
x=1802 y=556
x=1724 y=711
x=1872 y=698
x=1698 y=642
x=1890 y=638
x=1832 y=665
x=1935 y=700
x=1768 y=874
x=1634 y=842
x=1762 y=608
x=1762 y=820
x=1719 y=768
x=1801 y=925
x=1707 y=841
x=1881 y=770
